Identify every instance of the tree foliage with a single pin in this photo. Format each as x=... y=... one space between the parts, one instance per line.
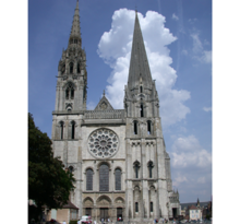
x=49 y=183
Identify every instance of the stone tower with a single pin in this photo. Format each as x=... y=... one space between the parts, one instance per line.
x=117 y=156
x=147 y=162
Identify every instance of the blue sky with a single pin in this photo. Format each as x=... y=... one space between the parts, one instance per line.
x=176 y=33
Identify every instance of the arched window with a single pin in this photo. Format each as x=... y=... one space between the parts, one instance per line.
x=151 y=206
x=149 y=127
x=104 y=177
x=71 y=67
x=73 y=129
x=70 y=168
x=89 y=179
x=141 y=110
x=78 y=68
x=136 y=166
x=135 y=127
x=70 y=90
x=61 y=129
x=136 y=206
x=117 y=179
x=150 y=168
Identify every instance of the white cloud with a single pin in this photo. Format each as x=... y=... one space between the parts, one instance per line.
x=175 y=17
x=207 y=109
x=187 y=152
x=115 y=49
x=207 y=56
x=191 y=168
x=200 y=54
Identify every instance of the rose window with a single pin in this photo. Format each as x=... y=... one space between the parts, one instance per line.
x=103 y=143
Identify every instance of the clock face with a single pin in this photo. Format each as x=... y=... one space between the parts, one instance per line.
x=103 y=143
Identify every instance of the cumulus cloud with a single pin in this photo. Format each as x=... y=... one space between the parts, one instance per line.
x=207 y=109
x=187 y=152
x=115 y=49
x=175 y=17
x=191 y=168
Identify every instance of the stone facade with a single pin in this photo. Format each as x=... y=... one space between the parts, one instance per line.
x=118 y=157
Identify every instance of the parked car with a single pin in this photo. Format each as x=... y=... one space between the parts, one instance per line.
x=85 y=220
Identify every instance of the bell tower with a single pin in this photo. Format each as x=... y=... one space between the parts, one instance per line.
x=71 y=92
x=148 y=172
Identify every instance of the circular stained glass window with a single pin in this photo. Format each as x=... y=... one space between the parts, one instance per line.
x=103 y=143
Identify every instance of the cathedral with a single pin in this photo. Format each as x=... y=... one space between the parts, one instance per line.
x=117 y=156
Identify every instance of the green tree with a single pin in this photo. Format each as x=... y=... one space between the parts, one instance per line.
x=49 y=183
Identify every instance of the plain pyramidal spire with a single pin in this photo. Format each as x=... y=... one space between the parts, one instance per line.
x=139 y=68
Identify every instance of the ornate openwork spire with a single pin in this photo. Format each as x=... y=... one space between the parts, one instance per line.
x=75 y=36
x=139 y=68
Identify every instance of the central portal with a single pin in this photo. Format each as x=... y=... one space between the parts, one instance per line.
x=104 y=214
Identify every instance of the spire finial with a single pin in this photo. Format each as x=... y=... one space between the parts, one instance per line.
x=75 y=35
x=104 y=92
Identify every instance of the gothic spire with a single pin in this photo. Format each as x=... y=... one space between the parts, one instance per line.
x=139 y=70
x=75 y=31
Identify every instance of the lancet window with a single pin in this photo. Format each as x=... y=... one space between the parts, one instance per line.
x=89 y=179
x=135 y=127
x=117 y=179
x=71 y=67
x=104 y=177
x=73 y=129
x=149 y=127
x=136 y=166
x=70 y=91
x=141 y=110
x=61 y=129
x=150 y=169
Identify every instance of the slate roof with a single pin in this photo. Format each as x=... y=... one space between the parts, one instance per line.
x=70 y=205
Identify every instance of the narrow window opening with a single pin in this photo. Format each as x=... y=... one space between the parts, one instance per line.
x=151 y=206
x=70 y=168
x=71 y=68
x=72 y=93
x=150 y=168
x=149 y=124
x=141 y=111
x=117 y=179
x=61 y=126
x=135 y=129
x=73 y=130
x=136 y=206
x=89 y=181
x=136 y=168
x=104 y=178
x=141 y=89
x=67 y=94
x=78 y=68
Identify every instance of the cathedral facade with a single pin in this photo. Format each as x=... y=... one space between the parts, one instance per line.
x=117 y=156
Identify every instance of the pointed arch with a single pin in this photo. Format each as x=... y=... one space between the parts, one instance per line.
x=104 y=177
x=136 y=166
x=89 y=179
x=118 y=174
x=150 y=168
x=69 y=90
